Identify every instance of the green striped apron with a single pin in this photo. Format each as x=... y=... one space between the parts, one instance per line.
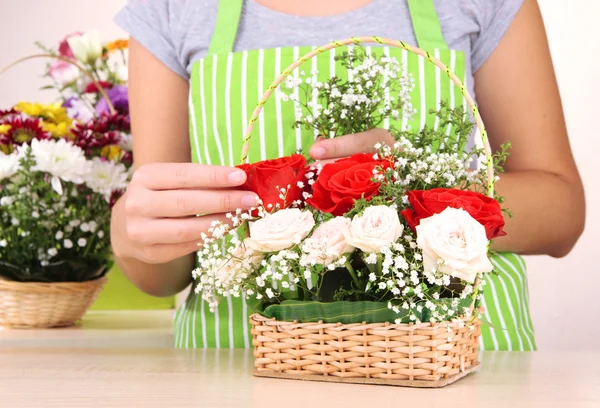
x=224 y=90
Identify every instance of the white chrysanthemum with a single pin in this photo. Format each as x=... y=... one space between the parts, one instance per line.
x=106 y=176
x=61 y=159
x=9 y=165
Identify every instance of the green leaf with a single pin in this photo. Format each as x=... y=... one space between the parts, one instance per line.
x=350 y=312
x=334 y=312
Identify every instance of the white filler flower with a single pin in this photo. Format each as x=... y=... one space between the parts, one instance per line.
x=328 y=243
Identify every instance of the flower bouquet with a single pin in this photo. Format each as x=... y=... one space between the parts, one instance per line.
x=366 y=269
x=62 y=166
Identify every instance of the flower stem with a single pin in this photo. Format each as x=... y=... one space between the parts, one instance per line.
x=353 y=274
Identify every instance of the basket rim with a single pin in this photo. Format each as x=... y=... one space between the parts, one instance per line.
x=48 y=287
x=291 y=325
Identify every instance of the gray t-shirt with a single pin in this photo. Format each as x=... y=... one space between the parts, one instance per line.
x=178 y=32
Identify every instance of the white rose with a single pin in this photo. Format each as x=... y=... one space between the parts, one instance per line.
x=328 y=243
x=241 y=262
x=454 y=243
x=280 y=230
x=378 y=227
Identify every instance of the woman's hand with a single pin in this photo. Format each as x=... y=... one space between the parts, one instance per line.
x=344 y=146
x=160 y=223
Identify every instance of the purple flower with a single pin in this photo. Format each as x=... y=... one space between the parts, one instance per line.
x=68 y=102
x=118 y=97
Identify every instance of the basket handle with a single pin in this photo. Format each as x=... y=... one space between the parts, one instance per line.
x=393 y=43
x=397 y=44
x=109 y=104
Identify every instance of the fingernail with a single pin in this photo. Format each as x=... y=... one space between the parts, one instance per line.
x=250 y=200
x=318 y=152
x=237 y=177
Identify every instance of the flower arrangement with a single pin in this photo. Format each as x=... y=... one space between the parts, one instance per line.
x=400 y=235
x=63 y=165
x=106 y=63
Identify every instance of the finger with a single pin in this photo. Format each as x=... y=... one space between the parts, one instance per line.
x=348 y=145
x=183 y=203
x=322 y=163
x=161 y=253
x=171 y=230
x=172 y=176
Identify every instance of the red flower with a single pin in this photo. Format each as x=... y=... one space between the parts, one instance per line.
x=267 y=178
x=114 y=197
x=22 y=130
x=92 y=88
x=8 y=113
x=426 y=203
x=101 y=132
x=343 y=182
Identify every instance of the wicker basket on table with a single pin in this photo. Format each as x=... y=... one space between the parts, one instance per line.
x=414 y=355
x=39 y=305
x=44 y=305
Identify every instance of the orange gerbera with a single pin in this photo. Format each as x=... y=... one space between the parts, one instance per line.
x=117 y=45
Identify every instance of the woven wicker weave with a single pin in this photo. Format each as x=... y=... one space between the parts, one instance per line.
x=419 y=355
x=45 y=305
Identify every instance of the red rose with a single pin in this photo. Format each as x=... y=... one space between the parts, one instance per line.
x=484 y=209
x=92 y=88
x=343 y=182
x=267 y=178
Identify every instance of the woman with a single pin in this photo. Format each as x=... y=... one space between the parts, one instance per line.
x=180 y=53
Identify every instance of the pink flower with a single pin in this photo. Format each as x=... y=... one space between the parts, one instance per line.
x=63 y=72
x=64 y=49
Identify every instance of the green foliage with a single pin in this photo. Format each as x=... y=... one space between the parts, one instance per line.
x=37 y=222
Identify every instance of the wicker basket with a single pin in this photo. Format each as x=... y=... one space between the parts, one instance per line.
x=413 y=355
x=44 y=305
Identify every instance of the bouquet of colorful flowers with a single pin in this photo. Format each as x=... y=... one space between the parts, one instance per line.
x=400 y=235
x=82 y=68
x=63 y=165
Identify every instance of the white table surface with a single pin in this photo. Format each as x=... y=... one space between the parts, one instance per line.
x=220 y=379
x=110 y=329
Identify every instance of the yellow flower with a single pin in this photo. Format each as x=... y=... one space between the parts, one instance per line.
x=52 y=112
x=111 y=152
x=54 y=117
x=117 y=45
x=4 y=129
x=57 y=130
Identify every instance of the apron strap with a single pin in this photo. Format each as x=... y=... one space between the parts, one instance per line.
x=426 y=25
x=226 y=27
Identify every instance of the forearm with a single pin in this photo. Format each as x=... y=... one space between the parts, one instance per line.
x=548 y=213
x=165 y=279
